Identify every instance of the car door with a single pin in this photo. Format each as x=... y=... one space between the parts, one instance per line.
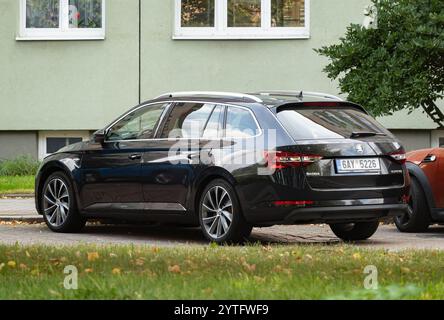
x=169 y=166
x=111 y=171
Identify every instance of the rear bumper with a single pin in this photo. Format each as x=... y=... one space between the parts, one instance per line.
x=333 y=211
x=338 y=214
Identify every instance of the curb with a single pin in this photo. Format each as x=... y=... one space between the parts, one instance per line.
x=25 y=219
x=16 y=195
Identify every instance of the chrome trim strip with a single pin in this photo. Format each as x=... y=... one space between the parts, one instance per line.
x=137 y=206
x=163 y=206
x=209 y=93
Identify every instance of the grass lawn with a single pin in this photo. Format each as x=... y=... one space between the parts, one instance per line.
x=16 y=184
x=212 y=272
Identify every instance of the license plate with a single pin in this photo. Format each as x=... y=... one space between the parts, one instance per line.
x=358 y=165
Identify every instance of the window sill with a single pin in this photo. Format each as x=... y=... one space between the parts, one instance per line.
x=241 y=37
x=58 y=38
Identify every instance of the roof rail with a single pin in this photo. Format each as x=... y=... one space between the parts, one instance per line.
x=299 y=94
x=210 y=93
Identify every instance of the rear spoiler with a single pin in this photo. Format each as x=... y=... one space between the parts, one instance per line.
x=320 y=104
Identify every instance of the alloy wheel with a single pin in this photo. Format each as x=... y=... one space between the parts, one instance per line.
x=56 y=202
x=217 y=212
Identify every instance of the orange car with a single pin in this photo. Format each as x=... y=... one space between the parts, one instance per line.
x=426 y=203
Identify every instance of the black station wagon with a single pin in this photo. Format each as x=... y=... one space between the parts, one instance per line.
x=230 y=162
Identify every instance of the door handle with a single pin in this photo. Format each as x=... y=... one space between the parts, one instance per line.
x=135 y=157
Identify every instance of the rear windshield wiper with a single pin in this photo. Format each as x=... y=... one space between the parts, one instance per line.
x=366 y=134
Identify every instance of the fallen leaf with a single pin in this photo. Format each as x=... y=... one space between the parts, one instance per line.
x=249 y=267
x=139 y=262
x=356 y=256
x=116 y=271
x=174 y=269
x=89 y=270
x=92 y=256
x=405 y=270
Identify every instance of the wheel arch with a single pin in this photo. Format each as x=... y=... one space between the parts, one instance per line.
x=203 y=180
x=47 y=170
x=417 y=173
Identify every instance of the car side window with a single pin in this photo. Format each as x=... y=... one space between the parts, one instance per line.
x=214 y=124
x=240 y=123
x=187 y=120
x=140 y=124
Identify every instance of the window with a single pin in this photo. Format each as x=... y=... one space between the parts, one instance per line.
x=331 y=123
x=55 y=144
x=187 y=120
x=240 y=123
x=139 y=124
x=53 y=141
x=62 y=19
x=213 y=126
x=241 y=19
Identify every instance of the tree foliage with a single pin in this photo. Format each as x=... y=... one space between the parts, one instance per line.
x=398 y=65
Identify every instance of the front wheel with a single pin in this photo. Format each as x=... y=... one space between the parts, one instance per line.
x=220 y=214
x=355 y=231
x=58 y=204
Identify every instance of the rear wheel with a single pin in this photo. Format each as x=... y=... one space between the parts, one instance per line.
x=417 y=218
x=355 y=231
x=58 y=204
x=220 y=214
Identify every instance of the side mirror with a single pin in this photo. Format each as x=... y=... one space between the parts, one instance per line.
x=99 y=136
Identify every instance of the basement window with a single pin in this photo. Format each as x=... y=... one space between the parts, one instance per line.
x=62 y=20
x=241 y=19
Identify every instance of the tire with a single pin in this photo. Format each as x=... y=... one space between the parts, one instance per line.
x=214 y=218
x=417 y=219
x=355 y=231
x=58 y=205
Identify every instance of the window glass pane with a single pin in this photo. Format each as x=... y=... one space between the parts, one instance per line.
x=287 y=13
x=240 y=123
x=54 y=144
x=327 y=123
x=85 y=13
x=42 y=13
x=441 y=142
x=187 y=120
x=244 y=13
x=140 y=124
x=197 y=13
x=74 y=140
x=213 y=125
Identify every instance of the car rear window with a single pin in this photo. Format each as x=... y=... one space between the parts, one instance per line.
x=327 y=122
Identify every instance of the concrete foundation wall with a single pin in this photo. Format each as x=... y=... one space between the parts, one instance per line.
x=414 y=139
x=13 y=144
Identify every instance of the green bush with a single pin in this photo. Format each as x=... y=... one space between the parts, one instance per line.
x=20 y=166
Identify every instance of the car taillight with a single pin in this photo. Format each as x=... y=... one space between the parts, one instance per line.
x=399 y=157
x=283 y=159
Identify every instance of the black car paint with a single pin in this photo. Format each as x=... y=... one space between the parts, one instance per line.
x=131 y=180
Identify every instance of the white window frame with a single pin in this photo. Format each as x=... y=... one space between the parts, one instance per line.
x=222 y=31
x=435 y=136
x=63 y=32
x=85 y=135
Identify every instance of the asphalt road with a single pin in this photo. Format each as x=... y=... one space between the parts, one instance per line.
x=387 y=237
